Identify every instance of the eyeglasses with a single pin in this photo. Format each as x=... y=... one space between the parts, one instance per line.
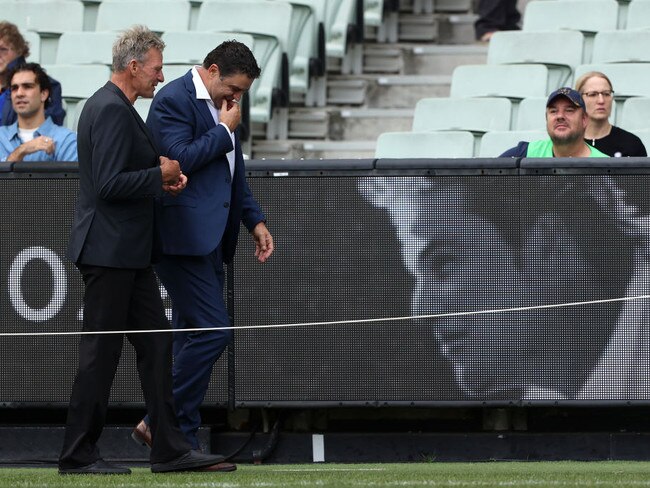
x=5 y=50
x=594 y=94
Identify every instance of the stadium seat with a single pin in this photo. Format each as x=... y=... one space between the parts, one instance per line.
x=531 y=114
x=466 y=114
x=622 y=46
x=628 y=79
x=344 y=35
x=573 y=15
x=443 y=144
x=560 y=51
x=86 y=48
x=72 y=117
x=34 y=42
x=159 y=16
x=635 y=114
x=48 y=18
x=495 y=143
x=142 y=106
x=78 y=82
x=638 y=15
x=45 y=17
x=191 y=47
x=644 y=135
x=515 y=81
x=570 y=14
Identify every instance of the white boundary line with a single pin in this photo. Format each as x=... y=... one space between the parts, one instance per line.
x=334 y=322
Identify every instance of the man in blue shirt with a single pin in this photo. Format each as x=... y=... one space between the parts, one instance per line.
x=33 y=137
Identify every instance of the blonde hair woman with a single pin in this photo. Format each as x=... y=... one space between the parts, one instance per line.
x=597 y=91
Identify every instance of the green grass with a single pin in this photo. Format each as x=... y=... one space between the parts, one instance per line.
x=492 y=474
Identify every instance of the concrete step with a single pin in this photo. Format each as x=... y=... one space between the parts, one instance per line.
x=456 y=28
x=358 y=124
x=418 y=27
x=442 y=59
x=403 y=91
x=383 y=58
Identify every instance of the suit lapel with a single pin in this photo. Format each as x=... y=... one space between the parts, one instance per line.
x=143 y=127
x=200 y=105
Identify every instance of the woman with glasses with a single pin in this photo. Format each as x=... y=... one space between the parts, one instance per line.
x=598 y=94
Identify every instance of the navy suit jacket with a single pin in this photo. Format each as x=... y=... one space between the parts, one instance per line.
x=209 y=211
x=119 y=176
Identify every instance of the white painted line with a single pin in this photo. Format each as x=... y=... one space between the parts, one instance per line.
x=318 y=448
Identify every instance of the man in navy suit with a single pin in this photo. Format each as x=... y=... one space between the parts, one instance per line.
x=193 y=120
x=112 y=243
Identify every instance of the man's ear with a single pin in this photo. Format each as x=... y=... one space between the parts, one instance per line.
x=132 y=66
x=45 y=94
x=214 y=70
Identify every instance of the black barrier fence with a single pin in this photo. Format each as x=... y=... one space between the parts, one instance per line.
x=490 y=282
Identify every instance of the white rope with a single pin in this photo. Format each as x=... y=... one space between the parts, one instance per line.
x=334 y=322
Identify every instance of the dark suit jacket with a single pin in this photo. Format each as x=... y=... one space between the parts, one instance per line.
x=119 y=176
x=210 y=209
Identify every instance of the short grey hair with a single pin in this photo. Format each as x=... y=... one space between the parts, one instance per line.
x=134 y=43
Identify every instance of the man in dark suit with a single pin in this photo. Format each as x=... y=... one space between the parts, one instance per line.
x=193 y=119
x=112 y=243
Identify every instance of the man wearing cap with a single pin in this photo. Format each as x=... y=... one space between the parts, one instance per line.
x=566 y=122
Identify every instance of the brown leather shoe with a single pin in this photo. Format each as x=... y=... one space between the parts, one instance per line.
x=142 y=434
x=220 y=467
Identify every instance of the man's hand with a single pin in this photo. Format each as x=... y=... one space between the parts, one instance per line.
x=40 y=143
x=263 y=242
x=230 y=114
x=171 y=171
x=174 y=190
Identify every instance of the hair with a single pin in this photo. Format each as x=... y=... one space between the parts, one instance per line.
x=134 y=43
x=41 y=77
x=599 y=198
x=580 y=83
x=12 y=35
x=233 y=58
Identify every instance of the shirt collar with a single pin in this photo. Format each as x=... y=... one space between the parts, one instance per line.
x=199 y=86
x=44 y=129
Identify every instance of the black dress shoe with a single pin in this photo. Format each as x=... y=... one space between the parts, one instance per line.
x=189 y=461
x=98 y=467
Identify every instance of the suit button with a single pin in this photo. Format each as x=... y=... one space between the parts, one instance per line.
x=226 y=204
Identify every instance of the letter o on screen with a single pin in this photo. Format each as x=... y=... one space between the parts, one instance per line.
x=59 y=280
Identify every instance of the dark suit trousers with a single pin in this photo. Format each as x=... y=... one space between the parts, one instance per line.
x=496 y=15
x=118 y=299
x=195 y=284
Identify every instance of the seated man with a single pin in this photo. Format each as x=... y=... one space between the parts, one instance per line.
x=33 y=137
x=13 y=51
x=566 y=122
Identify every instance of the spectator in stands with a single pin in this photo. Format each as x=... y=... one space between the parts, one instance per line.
x=577 y=240
x=496 y=15
x=13 y=51
x=566 y=121
x=34 y=137
x=597 y=91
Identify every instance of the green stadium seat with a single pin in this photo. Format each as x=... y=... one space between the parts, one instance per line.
x=86 y=48
x=442 y=144
x=159 y=16
x=638 y=15
x=465 y=114
x=531 y=114
x=622 y=46
x=635 y=114
x=495 y=143
x=515 y=81
x=560 y=51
